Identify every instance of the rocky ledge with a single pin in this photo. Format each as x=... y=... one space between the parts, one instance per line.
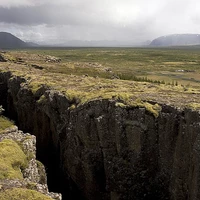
x=105 y=149
x=21 y=175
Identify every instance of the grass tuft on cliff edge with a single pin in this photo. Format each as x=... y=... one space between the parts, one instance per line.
x=5 y=123
x=12 y=160
x=22 y=194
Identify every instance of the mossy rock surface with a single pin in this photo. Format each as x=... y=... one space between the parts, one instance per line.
x=22 y=194
x=12 y=160
x=5 y=123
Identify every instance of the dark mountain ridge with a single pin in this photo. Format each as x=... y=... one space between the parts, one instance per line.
x=9 y=41
x=177 y=40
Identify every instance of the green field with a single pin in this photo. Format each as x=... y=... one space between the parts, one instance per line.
x=134 y=76
x=170 y=66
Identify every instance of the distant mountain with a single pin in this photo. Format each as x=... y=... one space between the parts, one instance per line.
x=177 y=40
x=99 y=43
x=9 y=41
x=32 y=44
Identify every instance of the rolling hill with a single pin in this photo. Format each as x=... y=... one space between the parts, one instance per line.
x=177 y=40
x=9 y=41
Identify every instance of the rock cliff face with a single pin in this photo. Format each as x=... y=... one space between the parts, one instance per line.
x=103 y=151
x=18 y=150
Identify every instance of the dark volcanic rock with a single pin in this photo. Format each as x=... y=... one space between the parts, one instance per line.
x=2 y=59
x=102 y=151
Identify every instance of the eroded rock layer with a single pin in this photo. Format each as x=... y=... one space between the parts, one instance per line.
x=21 y=175
x=101 y=150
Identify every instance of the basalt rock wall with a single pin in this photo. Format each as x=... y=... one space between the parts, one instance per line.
x=103 y=151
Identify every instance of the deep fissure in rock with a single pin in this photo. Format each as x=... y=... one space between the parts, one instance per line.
x=103 y=151
x=46 y=152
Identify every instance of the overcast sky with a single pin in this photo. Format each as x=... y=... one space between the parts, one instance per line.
x=122 y=20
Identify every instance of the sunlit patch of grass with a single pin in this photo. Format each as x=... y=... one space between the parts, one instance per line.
x=126 y=101
x=194 y=106
x=5 y=123
x=12 y=160
x=22 y=194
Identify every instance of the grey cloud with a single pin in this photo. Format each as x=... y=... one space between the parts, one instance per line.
x=99 y=19
x=78 y=13
x=58 y=14
x=37 y=15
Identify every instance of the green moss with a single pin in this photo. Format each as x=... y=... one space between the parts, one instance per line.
x=74 y=96
x=35 y=87
x=29 y=155
x=73 y=106
x=10 y=57
x=31 y=186
x=12 y=160
x=42 y=172
x=22 y=194
x=41 y=99
x=194 y=106
x=124 y=97
x=155 y=109
x=5 y=123
x=118 y=104
x=152 y=108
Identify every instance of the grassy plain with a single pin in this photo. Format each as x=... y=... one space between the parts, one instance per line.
x=131 y=76
x=163 y=64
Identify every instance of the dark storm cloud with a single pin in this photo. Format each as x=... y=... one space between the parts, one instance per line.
x=38 y=15
x=99 y=19
x=78 y=13
x=69 y=13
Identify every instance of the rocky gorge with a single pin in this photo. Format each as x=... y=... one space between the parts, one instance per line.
x=105 y=149
x=21 y=175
